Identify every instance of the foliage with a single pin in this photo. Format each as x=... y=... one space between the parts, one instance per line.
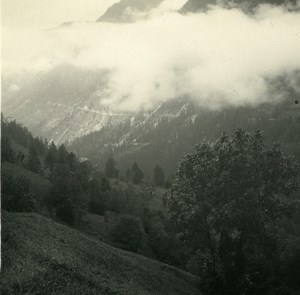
x=7 y=153
x=98 y=188
x=290 y=271
x=110 y=169
x=51 y=157
x=136 y=174
x=160 y=238
x=158 y=176
x=66 y=197
x=33 y=162
x=62 y=154
x=15 y=195
x=225 y=203
x=128 y=233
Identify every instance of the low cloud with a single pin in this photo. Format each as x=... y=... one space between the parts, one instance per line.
x=221 y=57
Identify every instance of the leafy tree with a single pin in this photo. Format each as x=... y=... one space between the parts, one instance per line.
x=158 y=176
x=137 y=174
x=33 y=162
x=225 y=203
x=110 y=169
x=160 y=238
x=66 y=198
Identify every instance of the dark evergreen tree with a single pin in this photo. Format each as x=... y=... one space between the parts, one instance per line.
x=7 y=153
x=158 y=176
x=137 y=174
x=83 y=173
x=51 y=157
x=71 y=160
x=39 y=146
x=110 y=168
x=33 y=162
x=127 y=174
x=105 y=185
x=62 y=154
x=20 y=158
x=98 y=188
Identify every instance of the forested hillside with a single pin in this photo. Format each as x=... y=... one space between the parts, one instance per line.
x=162 y=139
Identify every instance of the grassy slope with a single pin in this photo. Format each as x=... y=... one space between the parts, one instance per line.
x=41 y=256
x=38 y=185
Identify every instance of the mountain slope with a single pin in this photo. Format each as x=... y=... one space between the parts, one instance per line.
x=44 y=257
x=124 y=10
x=63 y=103
x=200 y=5
x=173 y=128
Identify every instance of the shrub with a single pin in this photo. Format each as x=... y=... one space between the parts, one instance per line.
x=15 y=194
x=128 y=233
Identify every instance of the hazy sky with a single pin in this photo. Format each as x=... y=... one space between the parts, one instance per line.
x=49 y=13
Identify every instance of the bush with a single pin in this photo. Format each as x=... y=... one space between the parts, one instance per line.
x=128 y=233
x=66 y=199
x=15 y=194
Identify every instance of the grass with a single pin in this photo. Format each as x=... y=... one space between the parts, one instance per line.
x=95 y=225
x=39 y=185
x=40 y=256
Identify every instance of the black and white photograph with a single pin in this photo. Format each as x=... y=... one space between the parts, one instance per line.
x=150 y=147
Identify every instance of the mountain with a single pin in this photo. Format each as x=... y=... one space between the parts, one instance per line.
x=65 y=106
x=63 y=103
x=125 y=10
x=247 y=5
x=40 y=256
x=173 y=128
